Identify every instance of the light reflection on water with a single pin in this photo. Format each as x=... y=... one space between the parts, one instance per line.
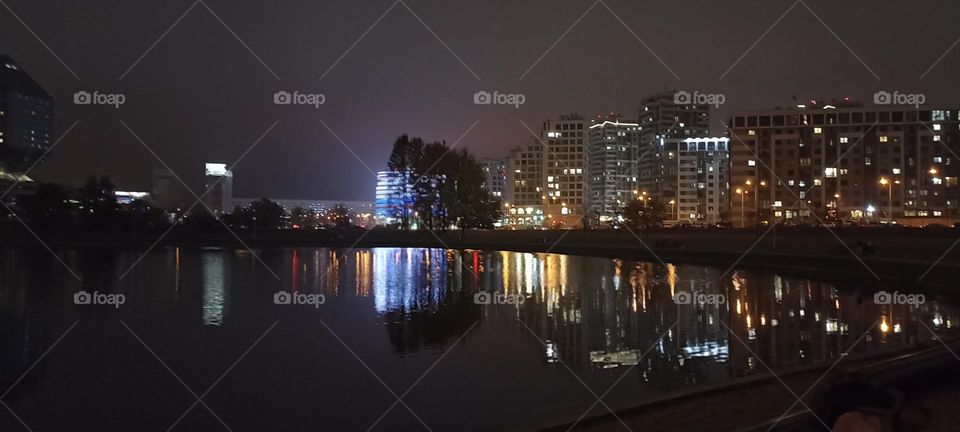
x=597 y=316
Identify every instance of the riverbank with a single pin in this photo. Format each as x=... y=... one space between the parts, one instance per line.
x=890 y=258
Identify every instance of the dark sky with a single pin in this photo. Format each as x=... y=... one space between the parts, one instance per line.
x=200 y=95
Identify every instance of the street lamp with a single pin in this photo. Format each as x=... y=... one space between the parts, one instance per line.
x=676 y=215
x=889 y=184
x=740 y=192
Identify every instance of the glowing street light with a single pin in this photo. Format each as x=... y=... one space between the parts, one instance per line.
x=742 y=221
x=889 y=185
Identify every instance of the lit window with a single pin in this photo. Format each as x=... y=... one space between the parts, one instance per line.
x=817 y=130
x=936 y=127
x=896 y=171
x=830 y=172
x=883 y=138
x=843 y=140
x=751 y=162
x=936 y=138
x=751 y=132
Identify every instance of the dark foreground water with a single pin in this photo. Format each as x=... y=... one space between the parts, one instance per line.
x=204 y=324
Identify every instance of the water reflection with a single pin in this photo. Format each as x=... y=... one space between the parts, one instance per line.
x=598 y=316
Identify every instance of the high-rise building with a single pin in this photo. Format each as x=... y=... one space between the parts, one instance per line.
x=821 y=162
x=662 y=117
x=219 y=187
x=612 y=178
x=167 y=192
x=26 y=121
x=495 y=177
x=524 y=200
x=563 y=162
x=695 y=182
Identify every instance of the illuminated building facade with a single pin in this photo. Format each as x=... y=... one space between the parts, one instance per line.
x=26 y=121
x=495 y=177
x=822 y=162
x=613 y=173
x=563 y=166
x=219 y=187
x=524 y=189
x=399 y=191
x=695 y=181
x=660 y=118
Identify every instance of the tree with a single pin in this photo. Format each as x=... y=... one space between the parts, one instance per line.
x=405 y=157
x=340 y=216
x=140 y=216
x=98 y=204
x=266 y=214
x=48 y=207
x=643 y=213
x=303 y=218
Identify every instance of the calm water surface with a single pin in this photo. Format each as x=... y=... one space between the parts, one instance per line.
x=203 y=324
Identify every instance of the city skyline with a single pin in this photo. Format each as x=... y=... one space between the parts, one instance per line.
x=225 y=70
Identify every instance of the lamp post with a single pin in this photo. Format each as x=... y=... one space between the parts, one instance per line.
x=742 y=221
x=889 y=185
x=673 y=203
x=836 y=202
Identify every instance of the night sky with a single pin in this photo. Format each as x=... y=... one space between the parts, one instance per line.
x=200 y=94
